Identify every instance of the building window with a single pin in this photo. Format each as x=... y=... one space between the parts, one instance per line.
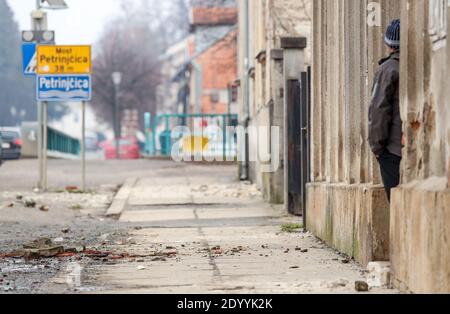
x=233 y=89
x=214 y=97
x=438 y=21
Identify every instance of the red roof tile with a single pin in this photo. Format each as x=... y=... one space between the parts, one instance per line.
x=214 y=16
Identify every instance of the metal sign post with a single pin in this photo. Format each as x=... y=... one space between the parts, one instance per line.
x=40 y=145
x=83 y=146
x=39 y=23
x=59 y=85
x=63 y=88
x=53 y=61
x=44 y=145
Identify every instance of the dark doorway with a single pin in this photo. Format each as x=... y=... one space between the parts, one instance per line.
x=294 y=146
x=298 y=113
x=305 y=118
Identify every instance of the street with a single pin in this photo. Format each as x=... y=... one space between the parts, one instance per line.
x=178 y=228
x=319 y=132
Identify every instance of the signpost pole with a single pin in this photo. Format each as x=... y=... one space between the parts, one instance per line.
x=116 y=122
x=40 y=144
x=83 y=146
x=36 y=26
x=39 y=23
x=76 y=75
x=44 y=145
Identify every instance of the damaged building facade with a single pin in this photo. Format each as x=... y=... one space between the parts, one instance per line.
x=261 y=79
x=214 y=56
x=420 y=211
x=199 y=70
x=346 y=204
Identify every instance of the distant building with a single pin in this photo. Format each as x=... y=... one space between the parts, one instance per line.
x=173 y=93
x=214 y=60
x=261 y=76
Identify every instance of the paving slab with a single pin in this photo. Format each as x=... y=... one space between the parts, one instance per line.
x=120 y=200
x=157 y=215
x=224 y=239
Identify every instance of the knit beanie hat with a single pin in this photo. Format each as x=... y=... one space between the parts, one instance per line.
x=392 y=37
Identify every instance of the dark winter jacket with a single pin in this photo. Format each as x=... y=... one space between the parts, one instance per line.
x=385 y=125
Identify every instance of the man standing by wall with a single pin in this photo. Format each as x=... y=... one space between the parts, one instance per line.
x=385 y=125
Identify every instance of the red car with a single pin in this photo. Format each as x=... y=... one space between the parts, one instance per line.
x=128 y=149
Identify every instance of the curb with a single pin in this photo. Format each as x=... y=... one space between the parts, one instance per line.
x=58 y=155
x=121 y=198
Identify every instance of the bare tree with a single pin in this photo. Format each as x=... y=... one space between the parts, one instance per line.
x=213 y=3
x=133 y=44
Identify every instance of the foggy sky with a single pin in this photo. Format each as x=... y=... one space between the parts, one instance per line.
x=82 y=23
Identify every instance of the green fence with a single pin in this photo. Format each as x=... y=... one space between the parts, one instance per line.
x=62 y=143
x=159 y=131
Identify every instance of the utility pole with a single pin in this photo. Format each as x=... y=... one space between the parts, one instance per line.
x=244 y=166
x=116 y=121
x=83 y=146
x=117 y=79
x=39 y=23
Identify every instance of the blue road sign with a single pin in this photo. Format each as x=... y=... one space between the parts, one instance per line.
x=63 y=87
x=29 y=59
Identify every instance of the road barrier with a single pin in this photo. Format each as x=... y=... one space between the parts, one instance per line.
x=62 y=143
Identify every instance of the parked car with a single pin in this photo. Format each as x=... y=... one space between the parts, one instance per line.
x=11 y=143
x=128 y=149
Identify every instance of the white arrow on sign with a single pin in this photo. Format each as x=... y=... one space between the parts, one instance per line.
x=31 y=68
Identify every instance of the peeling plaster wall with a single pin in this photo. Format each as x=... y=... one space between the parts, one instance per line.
x=423 y=96
x=420 y=211
x=448 y=102
x=289 y=18
x=269 y=21
x=345 y=56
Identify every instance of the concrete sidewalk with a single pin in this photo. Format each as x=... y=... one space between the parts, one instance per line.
x=198 y=230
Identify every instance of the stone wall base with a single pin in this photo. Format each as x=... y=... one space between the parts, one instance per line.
x=448 y=173
x=353 y=219
x=273 y=187
x=420 y=237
